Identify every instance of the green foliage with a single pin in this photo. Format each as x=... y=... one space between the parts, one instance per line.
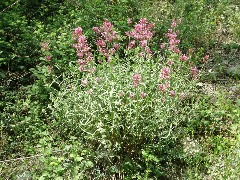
x=205 y=23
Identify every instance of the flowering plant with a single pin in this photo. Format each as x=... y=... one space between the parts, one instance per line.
x=124 y=108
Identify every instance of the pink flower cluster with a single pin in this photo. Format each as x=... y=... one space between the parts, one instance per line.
x=163 y=87
x=183 y=57
x=48 y=58
x=132 y=95
x=205 y=59
x=83 y=50
x=106 y=37
x=44 y=46
x=165 y=73
x=136 y=79
x=194 y=72
x=142 y=33
x=172 y=36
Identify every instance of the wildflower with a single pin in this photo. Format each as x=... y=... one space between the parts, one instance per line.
x=49 y=69
x=172 y=93
x=136 y=79
x=84 y=82
x=82 y=48
x=174 y=24
x=131 y=95
x=170 y=62
x=143 y=94
x=142 y=33
x=129 y=21
x=48 y=58
x=96 y=30
x=205 y=59
x=106 y=36
x=78 y=31
x=179 y=21
x=173 y=41
x=182 y=96
x=184 y=57
x=143 y=43
x=163 y=87
x=131 y=44
x=112 y=51
x=191 y=50
x=81 y=68
x=44 y=46
x=162 y=46
x=116 y=46
x=100 y=43
x=90 y=91
x=142 y=30
x=165 y=73
x=194 y=72
x=98 y=79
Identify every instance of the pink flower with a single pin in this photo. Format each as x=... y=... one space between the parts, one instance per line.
x=179 y=21
x=48 y=58
x=191 y=50
x=173 y=41
x=78 y=31
x=112 y=51
x=170 y=62
x=84 y=82
x=129 y=21
x=105 y=42
x=98 y=79
x=80 y=54
x=143 y=43
x=162 y=46
x=80 y=62
x=100 y=43
x=44 y=46
x=96 y=30
x=172 y=93
x=165 y=73
x=205 y=59
x=142 y=33
x=174 y=24
x=194 y=72
x=116 y=46
x=81 y=68
x=182 y=96
x=82 y=48
x=163 y=87
x=49 y=69
x=184 y=57
x=136 y=79
x=143 y=94
x=131 y=44
x=90 y=91
x=131 y=95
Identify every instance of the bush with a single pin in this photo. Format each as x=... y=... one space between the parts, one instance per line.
x=128 y=112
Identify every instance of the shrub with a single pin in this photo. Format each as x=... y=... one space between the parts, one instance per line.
x=127 y=114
